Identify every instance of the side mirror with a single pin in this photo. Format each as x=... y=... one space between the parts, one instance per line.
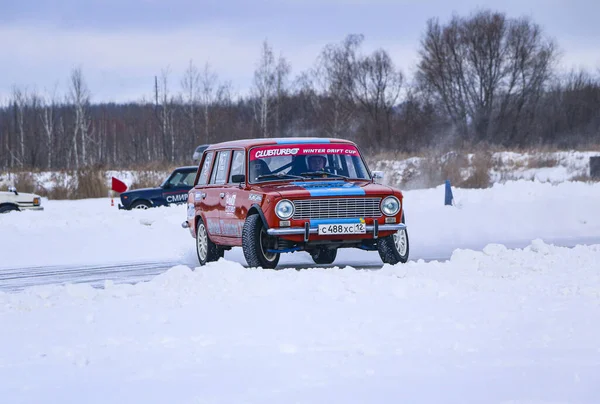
x=378 y=176
x=238 y=178
x=13 y=189
x=167 y=185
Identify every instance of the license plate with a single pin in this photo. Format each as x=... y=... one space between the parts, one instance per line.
x=335 y=229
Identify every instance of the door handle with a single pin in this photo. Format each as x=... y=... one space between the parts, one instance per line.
x=222 y=194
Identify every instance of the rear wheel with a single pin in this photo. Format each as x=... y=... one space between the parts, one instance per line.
x=256 y=243
x=394 y=249
x=206 y=250
x=324 y=255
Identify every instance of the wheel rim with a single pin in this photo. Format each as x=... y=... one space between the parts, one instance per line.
x=400 y=242
x=264 y=246
x=141 y=206
x=202 y=242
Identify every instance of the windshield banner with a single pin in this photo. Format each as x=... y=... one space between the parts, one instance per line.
x=302 y=150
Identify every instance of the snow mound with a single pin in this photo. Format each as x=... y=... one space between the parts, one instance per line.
x=500 y=325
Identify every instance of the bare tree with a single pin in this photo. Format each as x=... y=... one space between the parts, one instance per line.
x=48 y=117
x=20 y=103
x=166 y=112
x=282 y=70
x=264 y=87
x=484 y=69
x=377 y=90
x=191 y=96
x=330 y=86
x=212 y=93
x=80 y=99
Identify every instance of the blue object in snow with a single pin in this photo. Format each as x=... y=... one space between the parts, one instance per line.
x=448 y=197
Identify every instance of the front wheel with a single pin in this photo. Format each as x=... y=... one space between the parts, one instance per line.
x=256 y=243
x=323 y=255
x=140 y=205
x=394 y=249
x=8 y=208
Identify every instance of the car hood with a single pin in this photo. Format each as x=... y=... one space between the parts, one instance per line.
x=141 y=191
x=23 y=197
x=329 y=188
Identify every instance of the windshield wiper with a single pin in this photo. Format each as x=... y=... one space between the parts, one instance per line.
x=315 y=173
x=278 y=175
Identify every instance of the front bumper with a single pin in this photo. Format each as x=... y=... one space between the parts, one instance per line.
x=306 y=231
x=38 y=208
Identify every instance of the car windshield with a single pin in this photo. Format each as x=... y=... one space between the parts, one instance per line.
x=305 y=161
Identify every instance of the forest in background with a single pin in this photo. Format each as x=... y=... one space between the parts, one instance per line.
x=484 y=80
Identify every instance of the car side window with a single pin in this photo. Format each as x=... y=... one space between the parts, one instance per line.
x=237 y=164
x=203 y=179
x=219 y=174
x=175 y=180
x=188 y=180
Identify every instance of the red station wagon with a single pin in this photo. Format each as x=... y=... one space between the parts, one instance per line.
x=273 y=196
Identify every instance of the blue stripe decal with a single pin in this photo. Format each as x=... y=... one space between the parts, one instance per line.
x=317 y=222
x=337 y=188
x=303 y=141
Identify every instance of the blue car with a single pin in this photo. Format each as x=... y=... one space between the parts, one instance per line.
x=173 y=190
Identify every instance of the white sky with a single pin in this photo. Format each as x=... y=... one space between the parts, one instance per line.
x=122 y=45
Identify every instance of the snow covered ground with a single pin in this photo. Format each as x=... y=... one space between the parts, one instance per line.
x=94 y=232
x=491 y=324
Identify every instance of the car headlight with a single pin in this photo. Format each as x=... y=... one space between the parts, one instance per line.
x=390 y=206
x=284 y=209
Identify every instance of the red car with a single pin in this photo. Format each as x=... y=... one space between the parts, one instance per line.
x=274 y=196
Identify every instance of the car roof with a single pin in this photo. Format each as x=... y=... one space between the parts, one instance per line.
x=185 y=168
x=245 y=143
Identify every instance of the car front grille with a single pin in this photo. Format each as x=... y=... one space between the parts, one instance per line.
x=336 y=208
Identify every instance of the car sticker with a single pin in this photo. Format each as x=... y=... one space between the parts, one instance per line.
x=230 y=203
x=213 y=226
x=301 y=150
x=255 y=197
x=231 y=229
x=177 y=198
x=333 y=188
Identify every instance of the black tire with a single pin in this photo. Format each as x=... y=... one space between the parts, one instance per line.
x=255 y=242
x=323 y=255
x=206 y=250
x=395 y=248
x=8 y=208
x=140 y=205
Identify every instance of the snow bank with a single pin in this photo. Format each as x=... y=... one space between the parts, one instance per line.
x=497 y=326
x=552 y=167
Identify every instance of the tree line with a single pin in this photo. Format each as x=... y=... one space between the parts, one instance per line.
x=482 y=79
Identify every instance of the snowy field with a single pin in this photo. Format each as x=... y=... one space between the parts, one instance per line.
x=490 y=309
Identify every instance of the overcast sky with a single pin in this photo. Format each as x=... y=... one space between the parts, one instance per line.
x=121 y=45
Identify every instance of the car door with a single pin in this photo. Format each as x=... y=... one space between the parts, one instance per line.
x=205 y=197
x=175 y=189
x=233 y=198
x=215 y=195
